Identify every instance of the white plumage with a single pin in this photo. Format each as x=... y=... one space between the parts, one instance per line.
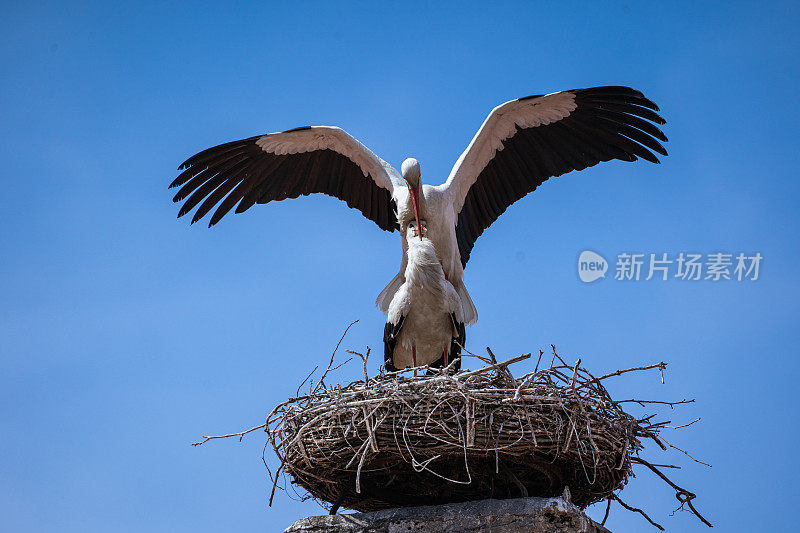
x=436 y=208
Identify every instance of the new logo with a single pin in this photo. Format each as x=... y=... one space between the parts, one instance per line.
x=591 y=266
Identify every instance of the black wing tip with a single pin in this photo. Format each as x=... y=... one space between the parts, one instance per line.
x=610 y=91
x=660 y=149
x=220 y=148
x=646 y=102
x=196 y=218
x=622 y=90
x=617 y=88
x=635 y=108
x=214 y=220
x=652 y=105
x=648 y=156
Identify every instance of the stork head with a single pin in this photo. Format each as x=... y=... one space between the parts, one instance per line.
x=411 y=172
x=415 y=230
x=413 y=177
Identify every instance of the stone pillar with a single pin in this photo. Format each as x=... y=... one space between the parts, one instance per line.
x=522 y=515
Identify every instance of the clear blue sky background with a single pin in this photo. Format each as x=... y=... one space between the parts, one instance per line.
x=126 y=334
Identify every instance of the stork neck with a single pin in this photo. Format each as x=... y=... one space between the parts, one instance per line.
x=423 y=269
x=408 y=211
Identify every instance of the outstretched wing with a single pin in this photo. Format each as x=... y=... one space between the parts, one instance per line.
x=524 y=142
x=277 y=166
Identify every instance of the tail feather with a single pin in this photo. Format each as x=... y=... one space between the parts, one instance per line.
x=467 y=307
x=386 y=295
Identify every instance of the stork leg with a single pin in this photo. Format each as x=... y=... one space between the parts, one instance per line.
x=414 y=357
x=445 y=357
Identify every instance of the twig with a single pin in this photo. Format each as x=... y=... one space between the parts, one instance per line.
x=241 y=435
x=275 y=483
x=342 y=364
x=495 y=366
x=686 y=453
x=364 y=360
x=636 y=510
x=304 y=381
x=466 y=352
x=683 y=425
x=667 y=466
x=684 y=496
x=321 y=382
x=608 y=508
x=574 y=375
x=661 y=366
x=541 y=353
x=642 y=402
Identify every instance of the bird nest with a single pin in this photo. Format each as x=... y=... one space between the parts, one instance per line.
x=401 y=439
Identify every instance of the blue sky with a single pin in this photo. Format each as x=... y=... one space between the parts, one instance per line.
x=126 y=334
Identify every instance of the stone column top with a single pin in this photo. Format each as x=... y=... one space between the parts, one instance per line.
x=521 y=515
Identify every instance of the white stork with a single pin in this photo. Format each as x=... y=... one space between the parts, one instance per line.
x=425 y=324
x=521 y=144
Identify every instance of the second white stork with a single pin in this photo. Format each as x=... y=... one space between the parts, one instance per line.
x=424 y=325
x=521 y=144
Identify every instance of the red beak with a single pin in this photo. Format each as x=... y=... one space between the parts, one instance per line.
x=415 y=201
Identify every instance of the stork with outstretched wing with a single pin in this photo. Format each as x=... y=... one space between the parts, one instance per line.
x=521 y=144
